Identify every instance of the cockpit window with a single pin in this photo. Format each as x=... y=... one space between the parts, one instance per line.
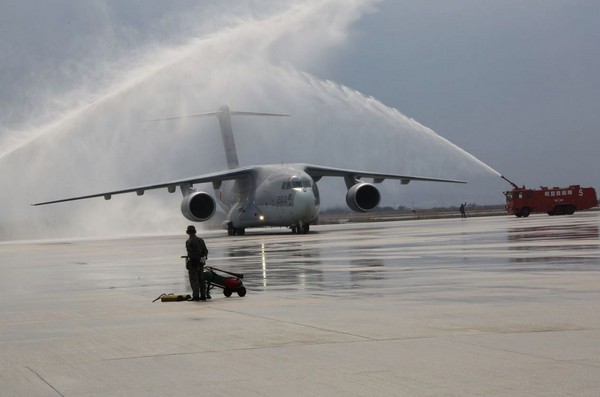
x=296 y=182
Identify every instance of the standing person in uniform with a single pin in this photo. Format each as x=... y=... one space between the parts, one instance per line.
x=463 y=214
x=197 y=253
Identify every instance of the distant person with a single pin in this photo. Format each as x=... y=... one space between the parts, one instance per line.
x=196 y=253
x=463 y=214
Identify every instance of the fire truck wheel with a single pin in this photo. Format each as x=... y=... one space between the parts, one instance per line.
x=241 y=291
x=525 y=211
x=570 y=209
x=227 y=292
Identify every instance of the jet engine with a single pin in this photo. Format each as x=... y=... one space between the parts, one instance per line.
x=363 y=197
x=198 y=206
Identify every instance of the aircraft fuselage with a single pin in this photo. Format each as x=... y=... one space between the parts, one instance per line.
x=276 y=195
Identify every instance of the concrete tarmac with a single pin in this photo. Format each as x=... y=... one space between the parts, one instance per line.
x=494 y=306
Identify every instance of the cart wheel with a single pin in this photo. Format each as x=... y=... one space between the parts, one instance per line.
x=227 y=292
x=241 y=291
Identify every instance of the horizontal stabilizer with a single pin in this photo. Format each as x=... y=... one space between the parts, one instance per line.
x=224 y=115
x=219 y=112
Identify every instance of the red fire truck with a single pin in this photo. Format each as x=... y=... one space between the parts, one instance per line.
x=553 y=201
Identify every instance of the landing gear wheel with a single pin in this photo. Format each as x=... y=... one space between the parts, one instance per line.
x=234 y=231
x=241 y=291
x=300 y=229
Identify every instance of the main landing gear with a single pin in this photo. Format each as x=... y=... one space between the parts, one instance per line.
x=240 y=231
x=235 y=231
x=300 y=229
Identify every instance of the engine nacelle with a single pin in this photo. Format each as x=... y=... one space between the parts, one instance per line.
x=363 y=197
x=198 y=206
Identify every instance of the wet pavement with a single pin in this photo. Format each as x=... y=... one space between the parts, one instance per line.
x=449 y=307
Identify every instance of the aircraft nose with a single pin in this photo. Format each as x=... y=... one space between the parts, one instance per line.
x=305 y=206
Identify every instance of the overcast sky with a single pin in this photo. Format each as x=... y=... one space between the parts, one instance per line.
x=516 y=83
x=513 y=83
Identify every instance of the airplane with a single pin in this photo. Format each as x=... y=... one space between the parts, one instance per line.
x=276 y=195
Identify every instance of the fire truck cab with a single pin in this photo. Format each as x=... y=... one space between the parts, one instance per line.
x=554 y=201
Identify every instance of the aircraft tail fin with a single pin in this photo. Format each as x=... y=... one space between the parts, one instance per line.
x=224 y=116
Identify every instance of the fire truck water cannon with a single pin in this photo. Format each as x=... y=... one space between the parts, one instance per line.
x=509 y=181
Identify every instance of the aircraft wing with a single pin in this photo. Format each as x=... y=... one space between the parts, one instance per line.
x=232 y=174
x=317 y=171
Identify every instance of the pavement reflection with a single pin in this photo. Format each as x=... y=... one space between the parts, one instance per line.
x=346 y=258
x=558 y=244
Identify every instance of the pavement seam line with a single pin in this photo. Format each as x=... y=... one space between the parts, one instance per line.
x=45 y=381
x=298 y=324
